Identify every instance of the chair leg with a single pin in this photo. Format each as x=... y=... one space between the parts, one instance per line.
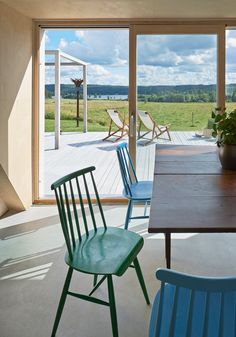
x=141 y=279
x=112 y=306
x=128 y=214
x=145 y=208
x=62 y=301
x=111 y=134
x=139 y=129
x=95 y=279
x=168 y=133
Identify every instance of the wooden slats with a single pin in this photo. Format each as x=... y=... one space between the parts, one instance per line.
x=82 y=206
x=126 y=167
x=69 y=216
x=125 y=176
x=173 y=313
x=235 y=313
x=62 y=213
x=75 y=211
x=98 y=201
x=79 y=150
x=190 y=314
x=160 y=311
x=89 y=203
x=221 y=323
x=72 y=209
x=193 y=306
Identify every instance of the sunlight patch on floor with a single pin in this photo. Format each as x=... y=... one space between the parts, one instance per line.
x=35 y=273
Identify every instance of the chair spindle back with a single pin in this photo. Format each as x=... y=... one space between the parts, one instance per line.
x=126 y=168
x=197 y=305
x=75 y=215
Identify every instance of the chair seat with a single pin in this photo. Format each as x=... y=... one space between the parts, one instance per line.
x=105 y=251
x=198 y=314
x=140 y=191
x=161 y=127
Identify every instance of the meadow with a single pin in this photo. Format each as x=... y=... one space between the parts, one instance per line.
x=181 y=116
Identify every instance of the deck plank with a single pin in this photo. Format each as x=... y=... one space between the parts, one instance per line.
x=79 y=150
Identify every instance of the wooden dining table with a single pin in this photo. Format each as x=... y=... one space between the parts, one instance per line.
x=191 y=193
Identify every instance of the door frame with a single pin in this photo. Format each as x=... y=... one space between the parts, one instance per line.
x=135 y=27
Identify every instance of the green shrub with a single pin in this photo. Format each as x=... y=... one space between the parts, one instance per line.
x=225 y=127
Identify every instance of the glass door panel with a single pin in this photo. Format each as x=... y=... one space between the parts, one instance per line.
x=230 y=69
x=86 y=73
x=177 y=87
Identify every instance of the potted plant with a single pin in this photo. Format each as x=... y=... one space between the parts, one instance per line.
x=224 y=128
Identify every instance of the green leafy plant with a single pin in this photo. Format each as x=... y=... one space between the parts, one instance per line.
x=224 y=126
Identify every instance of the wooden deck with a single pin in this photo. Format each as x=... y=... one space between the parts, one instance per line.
x=79 y=150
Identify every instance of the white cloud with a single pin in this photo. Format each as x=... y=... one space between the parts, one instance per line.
x=117 y=60
x=195 y=59
x=167 y=59
x=99 y=46
x=97 y=70
x=100 y=75
x=79 y=33
x=169 y=50
x=96 y=74
x=231 y=42
x=62 y=44
x=47 y=40
x=151 y=75
x=230 y=37
x=162 y=59
x=201 y=57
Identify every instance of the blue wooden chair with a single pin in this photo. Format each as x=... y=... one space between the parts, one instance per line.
x=102 y=251
x=135 y=191
x=191 y=306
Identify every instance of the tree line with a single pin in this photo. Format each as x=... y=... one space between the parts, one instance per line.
x=181 y=93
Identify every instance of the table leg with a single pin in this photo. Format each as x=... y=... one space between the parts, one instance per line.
x=168 y=249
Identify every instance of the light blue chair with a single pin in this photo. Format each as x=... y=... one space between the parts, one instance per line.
x=137 y=192
x=191 y=306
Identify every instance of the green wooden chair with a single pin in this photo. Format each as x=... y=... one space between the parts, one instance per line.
x=104 y=251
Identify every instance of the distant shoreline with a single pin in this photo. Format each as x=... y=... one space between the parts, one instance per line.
x=159 y=93
x=108 y=97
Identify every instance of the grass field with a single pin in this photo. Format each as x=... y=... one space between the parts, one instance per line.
x=181 y=116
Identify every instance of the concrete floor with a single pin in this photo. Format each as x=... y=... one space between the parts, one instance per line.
x=32 y=272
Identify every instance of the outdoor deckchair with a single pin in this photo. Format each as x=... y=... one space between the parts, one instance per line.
x=149 y=123
x=122 y=127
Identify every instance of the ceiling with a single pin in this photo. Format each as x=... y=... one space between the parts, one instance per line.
x=121 y=9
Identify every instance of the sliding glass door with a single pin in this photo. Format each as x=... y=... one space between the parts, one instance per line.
x=179 y=74
x=175 y=73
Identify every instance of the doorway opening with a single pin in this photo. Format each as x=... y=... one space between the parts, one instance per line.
x=84 y=73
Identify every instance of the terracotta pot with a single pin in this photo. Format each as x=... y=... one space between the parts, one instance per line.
x=227 y=156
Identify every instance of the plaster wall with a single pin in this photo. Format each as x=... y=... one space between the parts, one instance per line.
x=15 y=108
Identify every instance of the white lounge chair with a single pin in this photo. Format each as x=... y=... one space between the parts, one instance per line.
x=149 y=123
x=122 y=127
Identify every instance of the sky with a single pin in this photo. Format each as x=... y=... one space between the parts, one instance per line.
x=161 y=59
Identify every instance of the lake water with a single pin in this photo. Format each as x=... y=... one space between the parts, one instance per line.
x=109 y=97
